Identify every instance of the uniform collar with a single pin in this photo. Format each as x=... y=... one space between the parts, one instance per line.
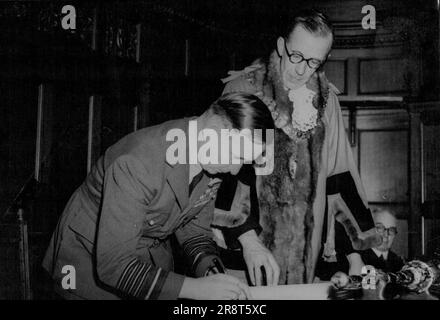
x=178 y=174
x=194 y=169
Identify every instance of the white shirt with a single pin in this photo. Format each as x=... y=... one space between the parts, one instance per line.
x=381 y=253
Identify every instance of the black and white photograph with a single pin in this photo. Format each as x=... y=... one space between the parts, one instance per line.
x=185 y=150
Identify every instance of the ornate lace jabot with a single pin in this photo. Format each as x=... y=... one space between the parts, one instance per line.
x=304 y=115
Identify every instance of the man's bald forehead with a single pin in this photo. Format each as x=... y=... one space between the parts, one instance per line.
x=314 y=21
x=385 y=217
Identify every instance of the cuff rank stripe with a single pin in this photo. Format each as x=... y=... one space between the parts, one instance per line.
x=157 y=280
x=139 y=279
x=192 y=247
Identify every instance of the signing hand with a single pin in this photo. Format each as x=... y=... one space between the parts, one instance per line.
x=217 y=287
x=256 y=255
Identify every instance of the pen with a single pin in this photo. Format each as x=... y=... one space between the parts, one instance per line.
x=216 y=268
x=218 y=265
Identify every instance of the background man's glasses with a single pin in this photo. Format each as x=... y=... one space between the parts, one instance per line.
x=297 y=57
x=391 y=231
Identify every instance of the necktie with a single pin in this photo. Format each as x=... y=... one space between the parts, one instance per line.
x=195 y=181
x=382 y=262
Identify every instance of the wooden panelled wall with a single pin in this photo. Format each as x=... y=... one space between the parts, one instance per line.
x=381 y=150
x=371 y=81
x=70 y=95
x=378 y=72
x=396 y=152
x=66 y=97
x=425 y=173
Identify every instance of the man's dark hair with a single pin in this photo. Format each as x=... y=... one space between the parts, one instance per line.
x=311 y=20
x=243 y=111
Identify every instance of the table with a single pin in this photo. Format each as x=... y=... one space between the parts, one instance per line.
x=320 y=291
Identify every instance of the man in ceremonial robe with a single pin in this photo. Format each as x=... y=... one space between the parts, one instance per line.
x=314 y=197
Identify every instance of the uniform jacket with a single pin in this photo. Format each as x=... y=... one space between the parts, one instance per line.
x=393 y=263
x=116 y=227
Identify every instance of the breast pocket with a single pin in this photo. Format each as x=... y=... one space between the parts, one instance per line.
x=84 y=229
x=155 y=224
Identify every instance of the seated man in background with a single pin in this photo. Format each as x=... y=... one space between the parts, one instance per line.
x=382 y=257
x=116 y=229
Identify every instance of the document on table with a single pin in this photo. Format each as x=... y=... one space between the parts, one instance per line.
x=312 y=291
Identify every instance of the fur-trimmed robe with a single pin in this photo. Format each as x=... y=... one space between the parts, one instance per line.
x=286 y=196
x=292 y=200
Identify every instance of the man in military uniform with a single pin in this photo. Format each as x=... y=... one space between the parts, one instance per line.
x=116 y=227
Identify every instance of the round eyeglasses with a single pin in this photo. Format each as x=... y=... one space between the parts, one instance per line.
x=391 y=231
x=297 y=57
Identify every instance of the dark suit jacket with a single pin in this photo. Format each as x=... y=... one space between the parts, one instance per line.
x=393 y=263
x=326 y=270
x=115 y=229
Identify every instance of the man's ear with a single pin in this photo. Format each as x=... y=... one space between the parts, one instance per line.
x=280 y=46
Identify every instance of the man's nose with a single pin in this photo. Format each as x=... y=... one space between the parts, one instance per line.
x=301 y=68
